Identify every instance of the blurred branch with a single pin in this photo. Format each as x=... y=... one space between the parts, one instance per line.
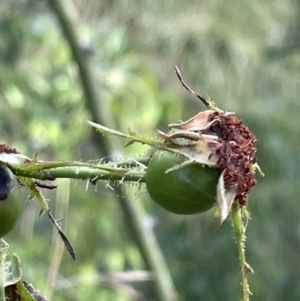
x=134 y=212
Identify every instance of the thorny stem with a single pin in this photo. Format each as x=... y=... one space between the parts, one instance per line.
x=77 y=170
x=131 y=170
x=239 y=228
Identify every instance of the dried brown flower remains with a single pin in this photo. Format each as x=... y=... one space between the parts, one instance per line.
x=236 y=153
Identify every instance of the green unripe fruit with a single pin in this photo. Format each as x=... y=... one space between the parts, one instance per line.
x=188 y=190
x=11 y=203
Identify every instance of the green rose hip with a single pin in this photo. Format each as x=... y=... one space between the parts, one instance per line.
x=11 y=203
x=188 y=190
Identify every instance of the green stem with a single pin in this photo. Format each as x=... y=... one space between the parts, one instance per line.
x=80 y=172
x=240 y=237
x=2 y=289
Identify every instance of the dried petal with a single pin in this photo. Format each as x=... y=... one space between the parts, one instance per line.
x=202 y=151
x=225 y=197
x=200 y=122
x=13 y=158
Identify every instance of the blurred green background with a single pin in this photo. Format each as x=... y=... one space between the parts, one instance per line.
x=244 y=54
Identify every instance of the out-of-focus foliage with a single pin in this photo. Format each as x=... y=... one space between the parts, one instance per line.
x=244 y=54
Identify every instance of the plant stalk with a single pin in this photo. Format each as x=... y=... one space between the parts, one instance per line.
x=3 y=250
x=240 y=237
x=2 y=288
x=82 y=172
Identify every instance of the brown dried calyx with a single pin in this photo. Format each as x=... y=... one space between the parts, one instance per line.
x=236 y=153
